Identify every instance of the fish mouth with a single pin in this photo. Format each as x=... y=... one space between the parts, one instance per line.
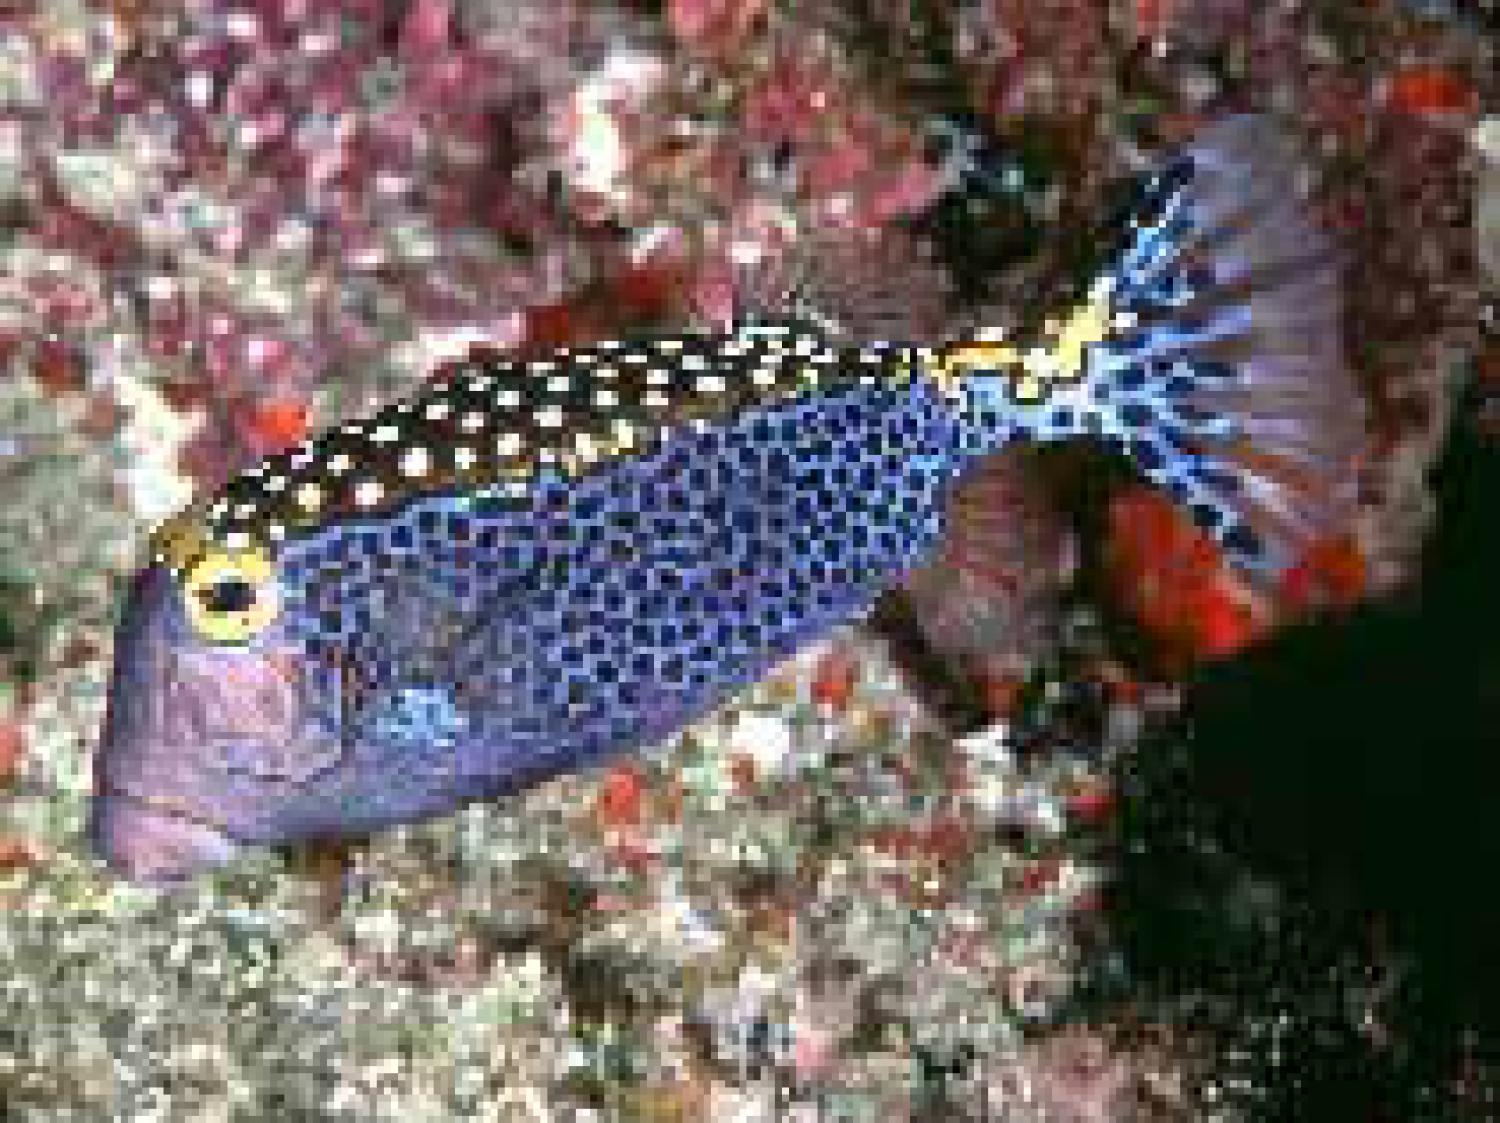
x=153 y=843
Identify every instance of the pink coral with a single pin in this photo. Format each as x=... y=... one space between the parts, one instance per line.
x=715 y=26
x=308 y=183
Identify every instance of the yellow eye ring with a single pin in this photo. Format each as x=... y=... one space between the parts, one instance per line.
x=230 y=596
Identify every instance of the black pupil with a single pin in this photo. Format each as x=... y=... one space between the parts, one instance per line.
x=233 y=594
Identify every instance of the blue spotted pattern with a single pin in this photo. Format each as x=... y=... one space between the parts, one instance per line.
x=538 y=631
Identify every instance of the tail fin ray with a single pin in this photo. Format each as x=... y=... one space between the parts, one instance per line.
x=1227 y=377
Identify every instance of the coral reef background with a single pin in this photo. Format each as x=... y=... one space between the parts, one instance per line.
x=903 y=879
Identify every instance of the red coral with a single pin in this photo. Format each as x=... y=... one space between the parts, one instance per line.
x=277 y=424
x=1172 y=578
x=621 y=795
x=1222 y=622
x=1432 y=89
x=1330 y=574
x=549 y=326
x=834 y=680
x=1093 y=804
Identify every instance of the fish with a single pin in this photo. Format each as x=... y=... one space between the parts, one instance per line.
x=532 y=565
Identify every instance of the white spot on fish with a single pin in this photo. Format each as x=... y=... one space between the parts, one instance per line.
x=415 y=462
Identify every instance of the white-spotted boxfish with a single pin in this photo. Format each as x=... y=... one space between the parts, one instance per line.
x=532 y=565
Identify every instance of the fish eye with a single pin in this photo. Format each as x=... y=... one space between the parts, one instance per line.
x=228 y=594
x=231 y=596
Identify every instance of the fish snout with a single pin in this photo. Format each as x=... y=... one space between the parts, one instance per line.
x=151 y=844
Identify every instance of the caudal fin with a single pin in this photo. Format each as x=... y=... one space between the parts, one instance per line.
x=1223 y=375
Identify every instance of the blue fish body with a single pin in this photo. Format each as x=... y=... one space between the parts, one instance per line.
x=501 y=639
x=531 y=566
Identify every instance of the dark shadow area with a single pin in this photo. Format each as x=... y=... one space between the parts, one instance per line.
x=1322 y=828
